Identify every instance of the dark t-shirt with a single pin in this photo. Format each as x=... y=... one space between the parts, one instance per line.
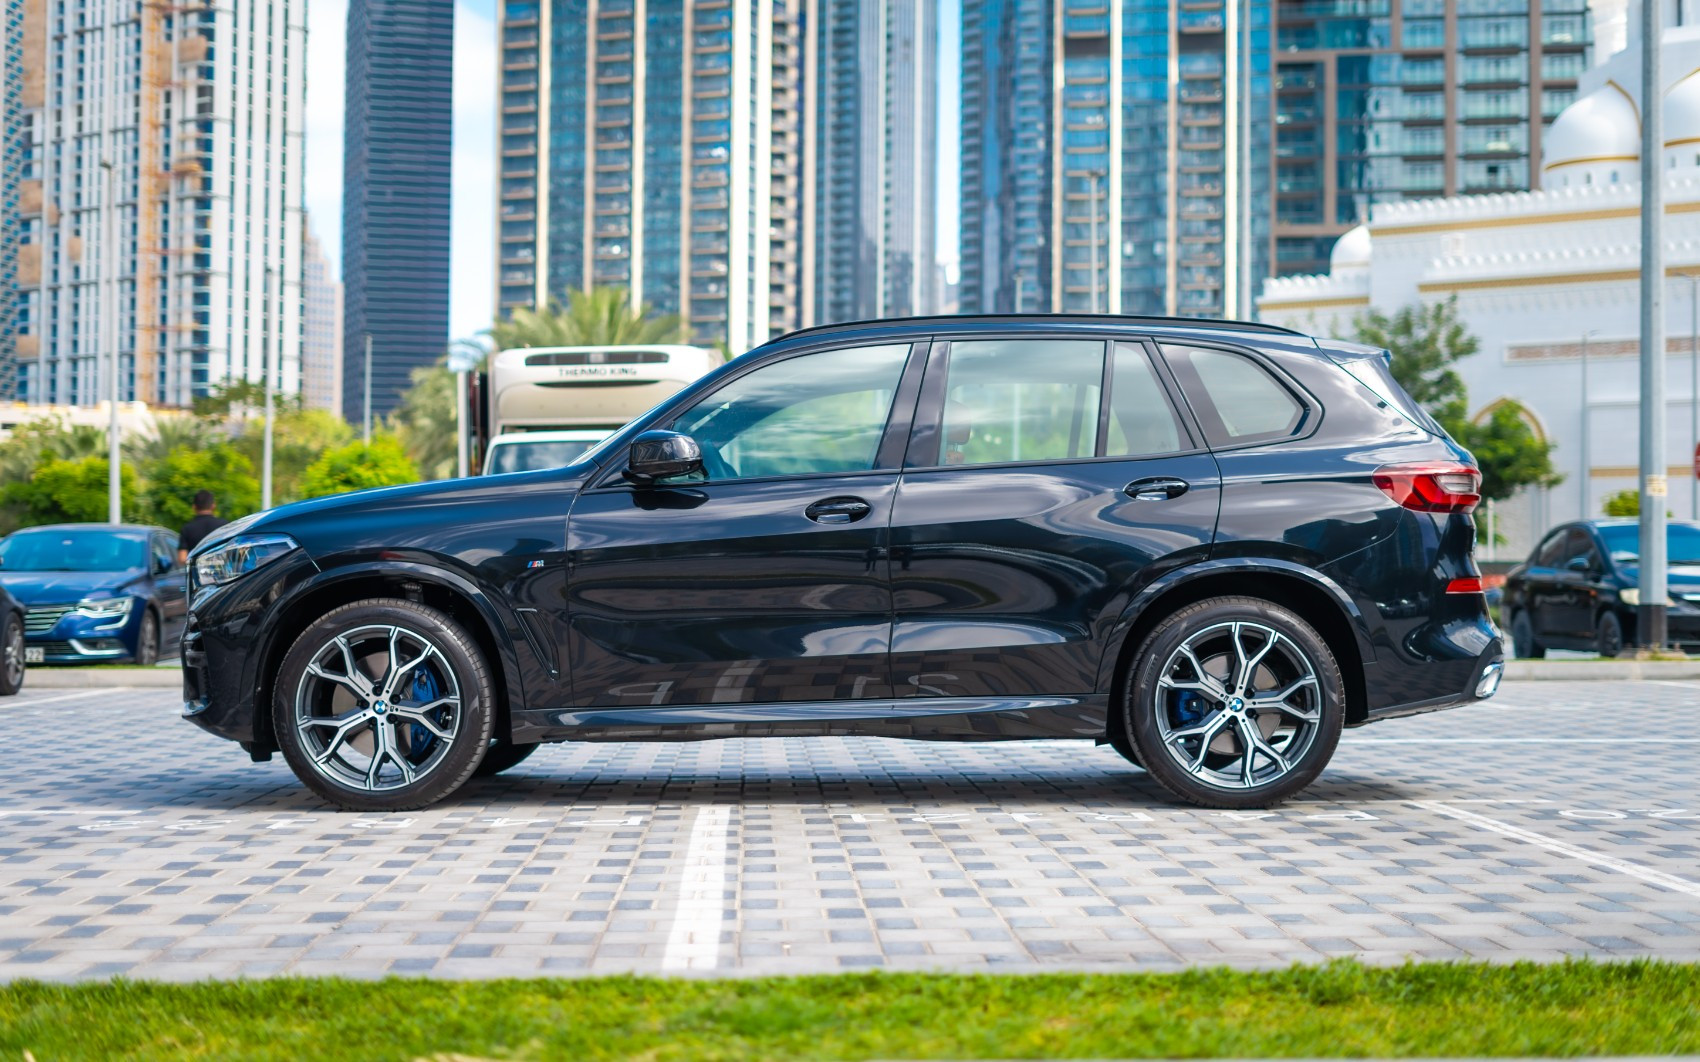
x=198 y=528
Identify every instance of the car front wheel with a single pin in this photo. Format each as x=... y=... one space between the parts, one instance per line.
x=11 y=655
x=147 y=641
x=1523 y=643
x=1237 y=703
x=1608 y=636
x=384 y=705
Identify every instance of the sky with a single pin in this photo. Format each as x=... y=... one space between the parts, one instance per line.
x=473 y=236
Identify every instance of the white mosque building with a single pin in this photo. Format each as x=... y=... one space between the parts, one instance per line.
x=1549 y=281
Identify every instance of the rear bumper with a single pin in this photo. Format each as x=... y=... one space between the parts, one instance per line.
x=1481 y=680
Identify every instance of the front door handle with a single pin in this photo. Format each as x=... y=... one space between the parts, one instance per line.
x=1156 y=488
x=838 y=510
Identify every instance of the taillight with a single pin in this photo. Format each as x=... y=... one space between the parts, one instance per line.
x=1431 y=488
x=1465 y=584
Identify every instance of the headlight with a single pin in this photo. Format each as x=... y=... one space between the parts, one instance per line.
x=105 y=607
x=1630 y=595
x=239 y=556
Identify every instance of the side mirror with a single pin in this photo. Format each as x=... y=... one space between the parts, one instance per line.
x=661 y=454
x=1577 y=564
x=161 y=566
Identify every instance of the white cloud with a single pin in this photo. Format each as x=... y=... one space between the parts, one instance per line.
x=473 y=239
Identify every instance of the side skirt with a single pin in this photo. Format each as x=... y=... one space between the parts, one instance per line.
x=922 y=718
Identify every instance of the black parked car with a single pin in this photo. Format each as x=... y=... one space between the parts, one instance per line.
x=96 y=593
x=1580 y=588
x=1211 y=545
x=11 y=644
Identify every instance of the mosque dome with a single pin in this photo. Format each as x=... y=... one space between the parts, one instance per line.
x=1595 y=140
x=1351 y=250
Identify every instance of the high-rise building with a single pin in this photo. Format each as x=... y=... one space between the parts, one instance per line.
x=872 y=129
x=1115 y=155
x=11 y=172
x=397 y=151
x=1388 y=100
x=160 y=199
x=649 y=145
x=321 y=328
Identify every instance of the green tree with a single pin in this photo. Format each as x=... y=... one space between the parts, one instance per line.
x=1426 y=342
x=357 y=466
x=240 y=399
x=67 y=491
x=170 y=483
x=299 y=437
x=170 y=434
x=33 y=442
x=425 y=421
x=600 y=317
x=1623 y=503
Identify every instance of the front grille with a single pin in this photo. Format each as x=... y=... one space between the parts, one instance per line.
x=43 y=618
x=55 y=648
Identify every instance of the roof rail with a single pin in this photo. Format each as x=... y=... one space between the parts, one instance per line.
x=945 y=320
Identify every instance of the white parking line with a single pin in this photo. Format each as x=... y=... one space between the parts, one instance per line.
x=694 y=943
x=1582 y=855
x=31 y=703
x=1521 y=741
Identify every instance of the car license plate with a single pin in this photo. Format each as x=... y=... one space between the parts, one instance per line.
x=34 y=654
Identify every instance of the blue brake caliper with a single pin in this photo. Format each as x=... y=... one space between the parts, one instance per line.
x=426 y=690
x=1190 y=707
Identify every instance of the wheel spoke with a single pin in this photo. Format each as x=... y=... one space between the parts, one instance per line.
x=398 y=671
x=418 y=715
x=1206 y=732
x=1249 y=664
x=1277 y=701
x=1255 y=744
x=345 y=726
x=1211 y=682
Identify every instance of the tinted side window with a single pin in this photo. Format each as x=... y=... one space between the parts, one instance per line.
x=1141 y=420
x=822 y=412
x=1236 y=399
x=1551 y=552
x=164 y=551
x=1021 y=400
x=1579 y=547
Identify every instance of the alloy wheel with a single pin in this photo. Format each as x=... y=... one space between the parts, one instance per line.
x=14 y=653
x=1238 y=704
x=377 y=708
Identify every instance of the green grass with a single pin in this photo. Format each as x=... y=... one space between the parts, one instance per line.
x=1342 y=1009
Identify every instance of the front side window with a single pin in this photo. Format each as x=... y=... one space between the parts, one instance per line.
x=818 y=413
x=1236 y=399
x=1142 y=422
x=1021 y=400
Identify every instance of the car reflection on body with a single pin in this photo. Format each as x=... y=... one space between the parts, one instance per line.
x=95 y=593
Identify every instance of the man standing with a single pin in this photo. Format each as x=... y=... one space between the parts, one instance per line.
x=202 y=525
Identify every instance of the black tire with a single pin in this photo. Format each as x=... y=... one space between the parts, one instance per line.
x=1608 y=635
x=147 y=641
x=446 y=761
x=11 y=655
x=501 y=756
x=1248 y=709
x=1524 y=646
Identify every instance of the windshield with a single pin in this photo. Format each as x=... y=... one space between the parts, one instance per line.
x=71 y=551
x=528 y=456
x=1623 y=542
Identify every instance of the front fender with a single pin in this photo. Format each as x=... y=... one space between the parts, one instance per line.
x=1180 y=581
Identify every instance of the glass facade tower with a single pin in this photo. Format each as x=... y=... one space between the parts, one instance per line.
x=873 y=130
x=653 y=145
x=1383 y=100
x=11 y=173
x=1115 y=155
x=397 y=150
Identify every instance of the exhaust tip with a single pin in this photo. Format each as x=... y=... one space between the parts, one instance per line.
x=1488 y=684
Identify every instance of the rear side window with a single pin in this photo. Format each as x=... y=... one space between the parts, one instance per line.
x=1551 y=553
x=1237 y=400
x=1141 y=420
x=1012 y=400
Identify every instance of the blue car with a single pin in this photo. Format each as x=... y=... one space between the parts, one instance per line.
x=95 y=593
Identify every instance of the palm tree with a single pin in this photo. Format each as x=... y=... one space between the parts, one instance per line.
x=32 y=443
x=169 y=433
x=600 y=317
x=425 y=423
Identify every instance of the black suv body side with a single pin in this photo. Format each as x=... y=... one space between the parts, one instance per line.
x=993 y=536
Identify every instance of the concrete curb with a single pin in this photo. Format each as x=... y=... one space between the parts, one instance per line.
x=96 y=678
x=1600 y=670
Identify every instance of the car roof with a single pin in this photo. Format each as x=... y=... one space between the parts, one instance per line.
x=576 y=435
x=959 y=324
x=129 y=529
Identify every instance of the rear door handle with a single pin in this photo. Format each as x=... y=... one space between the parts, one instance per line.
x=838 y=510
x=1156 y=488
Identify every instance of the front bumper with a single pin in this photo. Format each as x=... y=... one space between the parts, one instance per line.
x=76 y=639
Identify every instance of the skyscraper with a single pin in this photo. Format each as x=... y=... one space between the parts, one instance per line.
x=646 y=145
x=11 y=171
x=321 y=329
x=1115 y=155
x=159 y=204
x=397 y=154
x=872 y=124
x=1410 y=99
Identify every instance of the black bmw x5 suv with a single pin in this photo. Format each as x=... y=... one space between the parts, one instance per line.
x=1210 y=545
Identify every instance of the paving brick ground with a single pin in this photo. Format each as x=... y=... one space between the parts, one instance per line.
x=1561 y=819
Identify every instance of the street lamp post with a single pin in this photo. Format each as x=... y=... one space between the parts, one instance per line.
x=266 y=363
x=114 y=478
x=464 y=355
x=1694 y=387
x=1093 y=199
x=366 y=402
x=1651 y=614
x=1582 y=483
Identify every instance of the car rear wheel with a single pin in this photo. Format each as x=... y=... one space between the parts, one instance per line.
x=384 y=705
x=501 y=756
x=1608 y=635
x=11 y=655
x=147 y=642
x=1523 y=643
x=1236 y=703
